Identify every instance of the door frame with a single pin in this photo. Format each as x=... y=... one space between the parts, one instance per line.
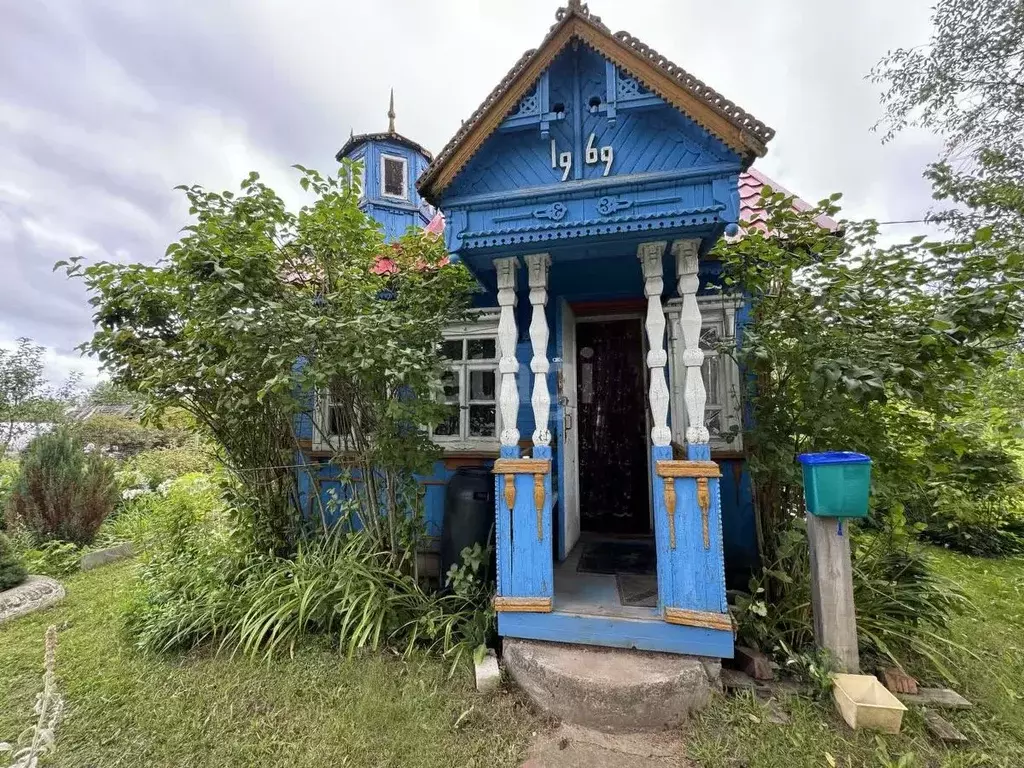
x=569 y=506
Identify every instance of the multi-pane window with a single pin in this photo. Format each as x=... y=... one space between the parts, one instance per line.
x=394 y=177
x=470 y=388
x=334 y=428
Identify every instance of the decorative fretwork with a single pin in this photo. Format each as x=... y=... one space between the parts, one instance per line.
x=528 y=105
x=627 y=87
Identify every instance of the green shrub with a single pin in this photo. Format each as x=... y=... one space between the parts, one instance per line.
x=62 y=492
x=53 y=558
x=124 y=436
x=200 y=582
x=8 y=474
x=903 y=606
x=151 y=468
x=12 y=570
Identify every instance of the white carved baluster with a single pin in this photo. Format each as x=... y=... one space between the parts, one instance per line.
x=537 y=267
x=508 y=366
x=694 y=394
x=650 y=259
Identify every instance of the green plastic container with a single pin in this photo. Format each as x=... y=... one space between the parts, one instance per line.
x=836 y=484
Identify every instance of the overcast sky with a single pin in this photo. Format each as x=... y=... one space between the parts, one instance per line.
x=106 y=105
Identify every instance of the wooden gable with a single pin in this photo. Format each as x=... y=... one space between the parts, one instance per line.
x=626 y=70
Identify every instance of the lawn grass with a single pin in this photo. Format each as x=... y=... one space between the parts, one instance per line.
x=316 y=709
x=319 y=708
x=738 y=731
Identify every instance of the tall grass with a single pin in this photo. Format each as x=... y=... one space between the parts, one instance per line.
x=199 y=582
x=903 y=605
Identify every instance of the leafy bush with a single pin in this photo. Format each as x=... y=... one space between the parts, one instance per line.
x=149 y=469
x=12 y=570
x=902 y=605
x=8 y=474
x=124 y=436
x=201 y=582
x=53 y=558
x=62 y=492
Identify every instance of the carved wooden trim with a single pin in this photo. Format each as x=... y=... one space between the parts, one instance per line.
x=619 y=53
x=538 y=503
x=703 y=619
x=657 y=358
x=507 y=269
x=522 y=466
x=667 y=468
x=704 y=502
x=537 y=265
x=694 y=395
x=522 y=604
x=510 y=491
x=670 y=509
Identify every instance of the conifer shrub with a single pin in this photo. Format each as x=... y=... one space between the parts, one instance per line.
x=12 y=570
x=61 y=491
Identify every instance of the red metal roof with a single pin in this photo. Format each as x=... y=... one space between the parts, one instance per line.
x=751 y=213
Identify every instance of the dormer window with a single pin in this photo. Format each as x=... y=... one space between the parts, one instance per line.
x=394 y=177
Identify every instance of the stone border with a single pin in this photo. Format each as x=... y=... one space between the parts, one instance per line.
x=37 y=593
x=106 y=556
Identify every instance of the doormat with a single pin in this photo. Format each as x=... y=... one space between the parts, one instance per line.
x=637 y=591
x=636 y=557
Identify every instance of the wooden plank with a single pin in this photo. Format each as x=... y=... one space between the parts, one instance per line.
x=688 y=469
x=645 y=635
x=835 y=621
x=523 y=604
x=943 y=698
x=704 y=619
x=521 y=466
x=942 y=729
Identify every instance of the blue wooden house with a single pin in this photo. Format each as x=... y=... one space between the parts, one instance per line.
x=583 y=194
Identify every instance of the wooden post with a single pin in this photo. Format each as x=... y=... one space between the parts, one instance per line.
x=835 y=621
x=508 y=366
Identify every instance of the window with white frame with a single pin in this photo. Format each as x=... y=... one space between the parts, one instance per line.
x=333 y=427
x=722 y=414
x=470 y=385
x=394 y=177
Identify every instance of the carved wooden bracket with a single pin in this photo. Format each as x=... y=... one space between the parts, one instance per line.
x=700 y=470
x=539 y=468
x=704 y=502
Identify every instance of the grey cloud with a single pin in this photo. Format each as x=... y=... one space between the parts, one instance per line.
x=105 y=105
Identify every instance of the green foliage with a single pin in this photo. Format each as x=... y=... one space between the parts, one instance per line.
x=25 y=397
x=62 y=492
x=151 y=468
x=8 y=474
x=856 y=346
x=902 y=605
x=124 y=436
x=109 y=393
x=52 y=558
x=200 y=581
x=12 y=569
x=967 y=85
x=256 y=308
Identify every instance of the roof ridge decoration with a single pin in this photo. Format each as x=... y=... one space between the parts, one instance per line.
x=708 y=108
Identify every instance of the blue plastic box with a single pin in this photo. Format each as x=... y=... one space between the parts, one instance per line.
x=837 y=483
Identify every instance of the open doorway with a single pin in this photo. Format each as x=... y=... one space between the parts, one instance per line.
x=612 y=570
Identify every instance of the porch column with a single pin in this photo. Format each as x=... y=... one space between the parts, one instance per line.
x=694 y=394
x=508 y=393
x=537 y=268
x=650 y=255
